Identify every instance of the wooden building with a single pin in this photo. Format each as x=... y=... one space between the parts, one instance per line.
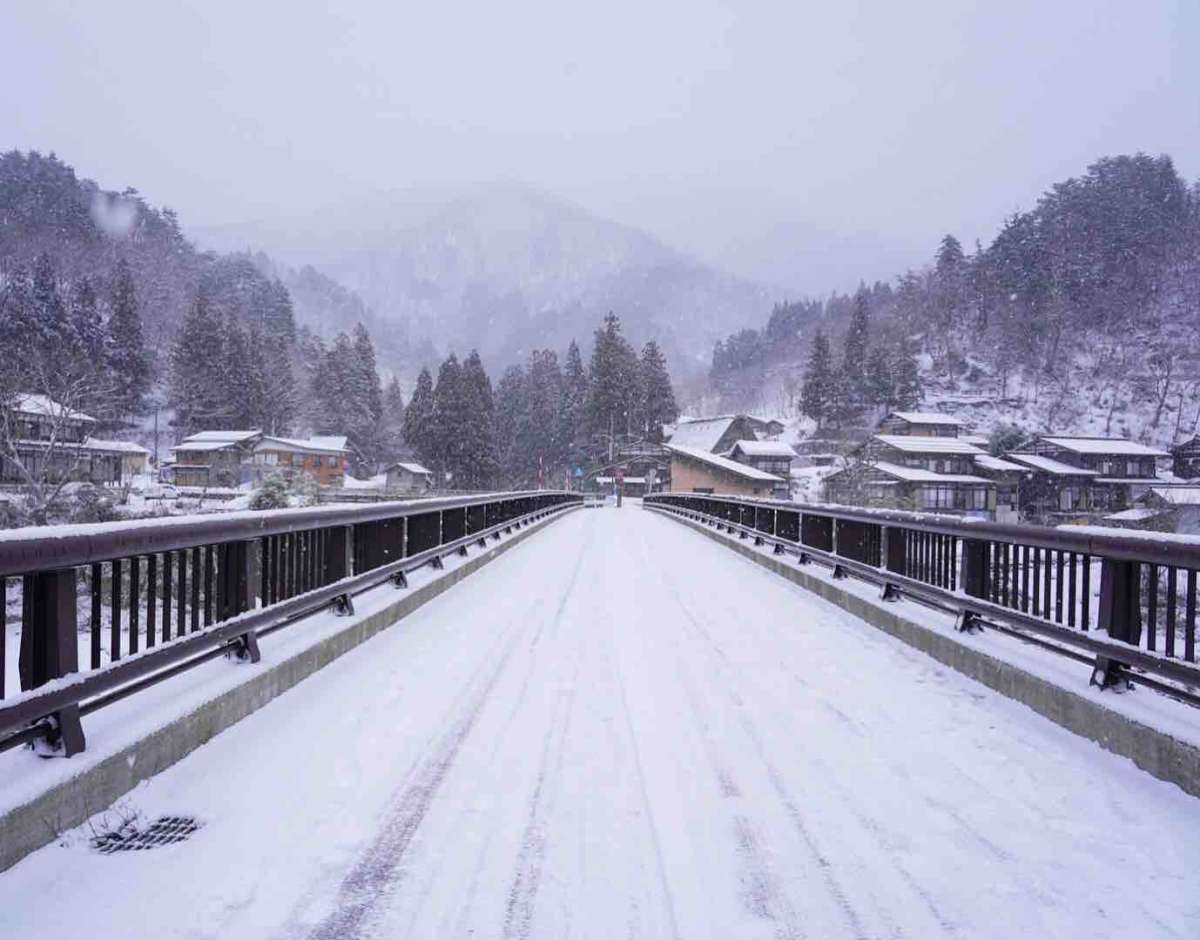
x=323 y=458
x=715 y=435
x=938 y=454
x=1185 y=459
x=214 y=458
x=54 y=442
x=1053 y=487
x=1123 y=469
x=1008 y=478
x=921 y=424
x=408 y=478
x=773 y=457
x=694 y=470
x=896 y=486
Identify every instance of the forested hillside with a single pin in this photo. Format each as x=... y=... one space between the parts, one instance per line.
x=1082 y=314
x=152 y=326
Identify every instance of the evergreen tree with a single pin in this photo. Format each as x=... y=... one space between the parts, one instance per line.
x=128 y=362
x=905 y=378
x=479 y=461
x=817 y=391
x=573 y=413
x=879 y=384
x=445 y=439
x=541 y=439
x=419 y=418
x=854 y=356
x=393 y=420
x=612 y=383
x=197 y=392
x=658 y=398
x=511 y=421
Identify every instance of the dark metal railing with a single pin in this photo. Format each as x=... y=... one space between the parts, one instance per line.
x=1120 y=600
x=110 y=608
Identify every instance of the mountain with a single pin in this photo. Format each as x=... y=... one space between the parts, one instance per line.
x=506 y=268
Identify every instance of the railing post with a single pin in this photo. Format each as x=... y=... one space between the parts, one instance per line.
x=237 y=589
x=974 y=575
x=894 y=549
x=1120 y=614
x=49 y=647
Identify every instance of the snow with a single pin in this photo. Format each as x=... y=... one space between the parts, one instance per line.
x=1052 y=466
x=927 y=417
x=763 y=449
x=116 y=447
x=917 y=444
x=622 y=729
x=724 y=463
x=46 y=407
x=918 y=475
x=1133 y=515
x=988 y=462
x=1178 y=495
x=702 y=433
x=1105 y=445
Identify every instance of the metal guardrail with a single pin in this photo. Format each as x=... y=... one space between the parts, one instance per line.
x=1123 y=602
x=158 y=597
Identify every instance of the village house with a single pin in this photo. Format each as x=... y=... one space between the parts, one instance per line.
x=886 y=484
x=323 y=458
x=695 y=470
x=920 y=424
x=54 y=442
x=1185 y=459
x=715 y=435
x=214 y=458
x=1122 y=469
x=408 y=478
x=773 y=457
x=1008 y=478
x=1178 y=507
x=1053 y=488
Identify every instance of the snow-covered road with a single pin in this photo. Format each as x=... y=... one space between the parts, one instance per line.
x=622 y=729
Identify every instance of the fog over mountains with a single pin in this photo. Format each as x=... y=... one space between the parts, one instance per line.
x=505 y=267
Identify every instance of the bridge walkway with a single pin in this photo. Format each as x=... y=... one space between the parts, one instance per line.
x=621 y=729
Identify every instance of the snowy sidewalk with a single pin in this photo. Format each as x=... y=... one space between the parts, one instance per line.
x=622 y=729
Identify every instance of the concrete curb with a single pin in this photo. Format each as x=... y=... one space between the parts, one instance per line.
x=28 y=827
x=1151 y=749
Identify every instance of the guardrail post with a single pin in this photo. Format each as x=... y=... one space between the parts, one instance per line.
x=1120 y=613
x=49 y=648
x=974 y=579
x=237 y=589
x=339 y=563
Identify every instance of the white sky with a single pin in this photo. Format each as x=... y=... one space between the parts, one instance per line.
x=807 y=144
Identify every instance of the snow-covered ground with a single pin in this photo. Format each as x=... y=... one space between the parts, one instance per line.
x=622 y=729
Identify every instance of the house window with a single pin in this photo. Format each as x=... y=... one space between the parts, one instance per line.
x=705 y=490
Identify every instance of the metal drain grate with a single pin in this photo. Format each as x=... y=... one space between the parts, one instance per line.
x=163 y=831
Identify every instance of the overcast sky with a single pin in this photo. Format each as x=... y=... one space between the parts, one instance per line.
x=806 y=144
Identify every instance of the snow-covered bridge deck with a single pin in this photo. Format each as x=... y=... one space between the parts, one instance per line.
x=620 y=729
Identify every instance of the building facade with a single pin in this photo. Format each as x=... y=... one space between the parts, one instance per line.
x=698 y=471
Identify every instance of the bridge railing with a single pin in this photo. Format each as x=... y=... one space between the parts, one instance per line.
x=1118 y=600
x=111 y=608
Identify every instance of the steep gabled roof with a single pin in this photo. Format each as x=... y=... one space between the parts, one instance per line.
x=763 y=449
x=702 y=433
x=724 y=463
x=43 y=406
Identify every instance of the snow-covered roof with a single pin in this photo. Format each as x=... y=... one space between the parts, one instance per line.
x=117 y=447
x=331 y=441
x=979 y=440
x=1133 y=515
x=1178 y=495
x=43 y=406
x=919 y=475
x=1050 y=465
x=224 y=437
x=1117 y=446
x=926 y=417
x=918 y=444
x=723 y=463
x=190 y=445
x=703 y=433
x=413 y=468
x=309 y=445
x=988 y=462
x=763 y=449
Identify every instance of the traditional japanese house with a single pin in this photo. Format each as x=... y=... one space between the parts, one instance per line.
x=52 y=442
x=1053 y=488
x=1007 y=477
x=694 y=470
x=921 y=424
x=408 y=478
x=892 y=485
x=1185 y=459
x=774 y=457
x=1180 y=503
x=715 y=435
x=1123 y=469
x=941 y=454
x=323 y=458
x=214 y=458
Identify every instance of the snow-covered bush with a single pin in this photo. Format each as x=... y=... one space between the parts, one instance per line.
x=272 y=493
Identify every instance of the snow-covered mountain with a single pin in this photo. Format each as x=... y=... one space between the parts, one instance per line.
x=505 y=268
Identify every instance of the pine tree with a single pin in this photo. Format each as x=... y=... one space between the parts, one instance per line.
x=127 y=360
x=393 y=420
x=658 y=405
x=817 y=392
x=419 y=419
x=445 y=440
x=542 y=441
x=573 y=413
x=879 y=383
x=906 y=378
x=854 y=356
x=511 y=423
x=479 y=457
x=197 y=392
x=612 y=383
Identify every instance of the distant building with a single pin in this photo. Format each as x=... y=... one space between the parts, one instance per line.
x=1181 y=505
x=54 y=442
x=886 y=484
x=408 y=478
x=231 y=458
x=1123 y=469
x=1185 y=459
x=1054 y=487
x=715 y=435
x=921 y=424
x=1008 y=478
x=766 y=429
x=695 y=470
x=773 y=457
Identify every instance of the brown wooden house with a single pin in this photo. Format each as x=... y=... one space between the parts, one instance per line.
x=1185 y=459
x=694 y=470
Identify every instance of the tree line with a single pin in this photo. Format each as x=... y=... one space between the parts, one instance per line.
x=544 y=418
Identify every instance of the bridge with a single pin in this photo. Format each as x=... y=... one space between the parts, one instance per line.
x=509 y=716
